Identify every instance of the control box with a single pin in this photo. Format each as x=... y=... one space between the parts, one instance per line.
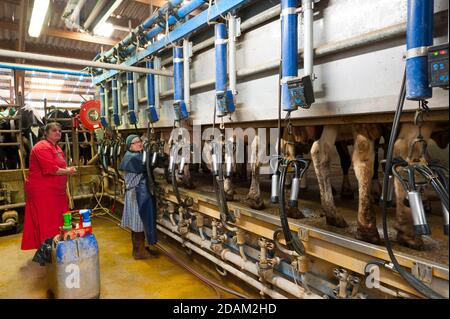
x=438 y=65
x=301 y=92
x=180 y=109
x=224 y=103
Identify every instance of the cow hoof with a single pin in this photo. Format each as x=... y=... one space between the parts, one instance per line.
x=336 y=221
x=229 y=196
x=368 y=235
x=189 y=185
x=295 y=213
x=256 y=203
x=414 y=242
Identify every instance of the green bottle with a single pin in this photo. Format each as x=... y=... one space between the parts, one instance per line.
x=67 y=221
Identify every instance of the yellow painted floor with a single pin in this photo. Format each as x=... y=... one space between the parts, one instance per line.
x=121 y=276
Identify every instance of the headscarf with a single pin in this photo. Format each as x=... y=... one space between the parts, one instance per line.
x=129 y=140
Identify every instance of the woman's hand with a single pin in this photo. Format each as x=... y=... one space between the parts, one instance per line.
x=71 y=170
x=66 y=171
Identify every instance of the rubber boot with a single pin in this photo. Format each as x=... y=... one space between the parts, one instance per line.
x=139 y=251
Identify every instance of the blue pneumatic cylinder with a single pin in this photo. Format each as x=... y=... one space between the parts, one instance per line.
x=151 y=110
x=179 y=105
x=289 y=48
x=130 y=94
x=221 y=57
x=103 y=119
x=115 y=103
x=419 y=35
x=224 y=97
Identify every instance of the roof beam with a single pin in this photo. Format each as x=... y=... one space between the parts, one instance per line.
x=77 y=36
x=156 y=3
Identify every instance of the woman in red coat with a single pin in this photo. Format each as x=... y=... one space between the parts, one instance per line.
x=45 y=188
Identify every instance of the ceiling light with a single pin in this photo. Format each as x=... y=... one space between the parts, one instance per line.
x=40 y=8
x=104 y=29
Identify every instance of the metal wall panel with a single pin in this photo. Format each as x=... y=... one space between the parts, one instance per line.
x=362 y=81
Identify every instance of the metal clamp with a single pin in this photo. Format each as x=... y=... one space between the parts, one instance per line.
x=416 y=52
x=287 y=11
x=422 y=272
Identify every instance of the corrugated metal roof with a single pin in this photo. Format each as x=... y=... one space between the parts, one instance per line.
x=9 y=12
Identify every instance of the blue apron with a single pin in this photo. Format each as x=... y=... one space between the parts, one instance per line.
x=132 y=162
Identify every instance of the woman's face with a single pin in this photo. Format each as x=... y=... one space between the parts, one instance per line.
x=136 y=145
x=54 y=134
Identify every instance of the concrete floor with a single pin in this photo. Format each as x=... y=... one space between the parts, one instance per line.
x=121 y=276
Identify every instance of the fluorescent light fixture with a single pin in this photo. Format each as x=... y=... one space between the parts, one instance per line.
x=40 y=8
x=104 y=29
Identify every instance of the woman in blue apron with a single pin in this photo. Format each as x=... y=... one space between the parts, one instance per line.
x=139 y=213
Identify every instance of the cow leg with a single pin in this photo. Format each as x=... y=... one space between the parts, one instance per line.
x=254 y=194
x=320 y=154
x=403 y=218
x=187 y=179
x=363 y=161
x=229 y=188
x=376 y=185
x=344 y=156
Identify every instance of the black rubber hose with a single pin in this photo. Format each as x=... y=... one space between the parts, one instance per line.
x=175 y=186
x=293 y=242
x=436 y=183
x=225 y=215
x=150 y=180
x=413 y=281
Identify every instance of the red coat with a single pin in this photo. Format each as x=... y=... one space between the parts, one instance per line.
x=46 y=198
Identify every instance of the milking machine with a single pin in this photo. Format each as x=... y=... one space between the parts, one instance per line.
x=153 y=147
x=423 y=71
x=293 y=92
x=224 y=100
x=178 y=143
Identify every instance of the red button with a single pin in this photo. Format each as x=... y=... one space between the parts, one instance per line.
x=443 y=52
